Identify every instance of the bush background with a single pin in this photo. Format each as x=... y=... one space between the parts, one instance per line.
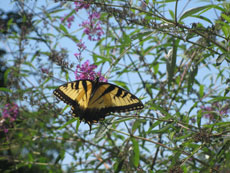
x=173 y=55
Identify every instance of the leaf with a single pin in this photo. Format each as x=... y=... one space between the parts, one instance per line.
x=122 y=84
x=156 y=107
x=118 y=165
x=162 y=130
x=153 y=126
x=63 y=28
x=192 y=11
x=225 y=17
x=103 y=129
x=202 y=18
x=199 y=116
x=67 y=123
x=6 y=75
x=102 y=58
x=221 y=58
x=5 y=89
x=192 y=75
x=172 y=62
x=226 y=91
x=137 y=124
x=136 y=152
x=172 y=14
x=201 y=92
x=193 y=106
x=217 y=99
x=77 y=125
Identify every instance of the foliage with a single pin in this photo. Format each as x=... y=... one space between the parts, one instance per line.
x=174 y=55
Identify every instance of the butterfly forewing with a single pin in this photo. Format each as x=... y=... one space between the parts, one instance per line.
x=75 y=93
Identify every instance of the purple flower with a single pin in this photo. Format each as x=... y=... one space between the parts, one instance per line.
x=81 y=47
x=69 y=20
x=86 y=71
x=45 y=70
x=10 y=112
x=5 y=130
x=193 y=119
x=81 y=4
x=92 y=27
x=214 y=109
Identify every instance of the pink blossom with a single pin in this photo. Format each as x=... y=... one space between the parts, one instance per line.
x=81 y=4
x=10 y=112
x=215 y=107
x=81 y=47
x=45 y=70
x=92 y=27
x=69 y=20
x=86 y=71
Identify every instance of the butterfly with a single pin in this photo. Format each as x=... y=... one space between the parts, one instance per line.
x=91 y=100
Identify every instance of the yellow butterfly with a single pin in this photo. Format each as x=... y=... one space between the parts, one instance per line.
x=91 y=100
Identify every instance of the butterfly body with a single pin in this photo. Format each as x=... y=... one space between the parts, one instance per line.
x=92 y=100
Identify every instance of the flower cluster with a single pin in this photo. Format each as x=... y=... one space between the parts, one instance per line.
x=214 y=109
x=81 y=47
x=86 y=71
x=10 y=112
x=69 y=20
x=80 y=4
x=92 y=27
x=45 y=70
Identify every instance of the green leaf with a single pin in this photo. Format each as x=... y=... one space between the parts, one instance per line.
x=191 y=79
x=226 y=17
x=199 y=116
x=162 y=130
x=63 y=28
x=121 y=84
x=5 y=89
x=171 y=63
x=77 y=125
x=103 y=129
x=136 y=155
x=192 y=11
x=201 y=91
x=29 y=64
x=47 y=80
x=67 y=123
x=202 y=18
x=156 y=107
x=137 y=124
x=153 y=126
x=217 y=99
x=118 y=165
x=221 y=58
x=102 y=58
x=6 y=75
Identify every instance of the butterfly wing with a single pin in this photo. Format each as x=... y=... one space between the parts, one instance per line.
x=76 y=94
x=111 y=98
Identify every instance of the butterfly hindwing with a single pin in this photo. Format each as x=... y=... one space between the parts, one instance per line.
x=111 y=98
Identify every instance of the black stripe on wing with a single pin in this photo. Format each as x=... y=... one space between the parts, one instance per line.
x=62 y=96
